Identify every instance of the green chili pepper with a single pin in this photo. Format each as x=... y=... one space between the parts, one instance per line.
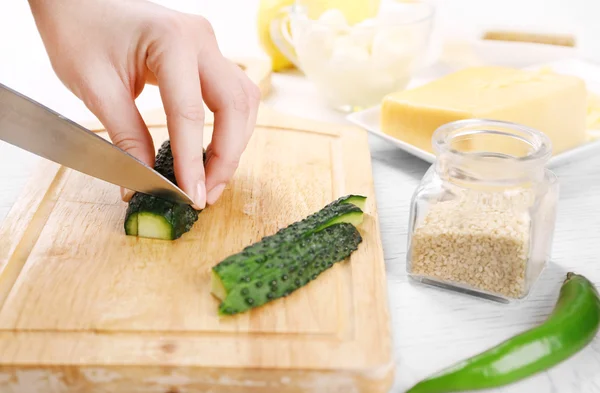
x=572 y=325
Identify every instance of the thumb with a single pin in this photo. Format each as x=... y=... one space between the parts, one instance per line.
x=115 y=107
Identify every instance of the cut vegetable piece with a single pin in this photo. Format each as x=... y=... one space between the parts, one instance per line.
x=352 y=217
x=292 y=266
x=356 y=200
x=154 y=226
x=253 y=256
x=216 y=286
x=152 y=217
x=131 y=224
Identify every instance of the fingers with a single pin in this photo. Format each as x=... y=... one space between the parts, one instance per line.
x=126 y=194
x=113 y=105
x=188 y=69
x=234 y=100
x=176 y=72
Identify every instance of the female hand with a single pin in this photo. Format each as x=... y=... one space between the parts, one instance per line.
x=105 y=51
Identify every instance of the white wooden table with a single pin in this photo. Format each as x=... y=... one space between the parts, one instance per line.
x=432 y=329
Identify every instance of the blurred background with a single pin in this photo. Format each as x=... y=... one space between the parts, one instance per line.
x=25 y=67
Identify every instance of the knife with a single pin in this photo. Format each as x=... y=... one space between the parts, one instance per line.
x=31 y=126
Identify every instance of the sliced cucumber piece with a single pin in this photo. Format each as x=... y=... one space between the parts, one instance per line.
x=290 y=258
x=152 y=217
x=131 y=224
x=156 y=218
x=154 y=226
x=291 y=267
x=357 y=200
x=352 y=217
x=253 y=256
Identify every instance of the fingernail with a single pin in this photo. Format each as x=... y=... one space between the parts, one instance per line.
x=200 y=197
x=126 y=194
x=215 y=193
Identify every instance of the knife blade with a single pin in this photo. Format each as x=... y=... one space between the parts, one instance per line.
x=31 y=126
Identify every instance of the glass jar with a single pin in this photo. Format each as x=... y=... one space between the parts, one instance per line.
x=482 y=219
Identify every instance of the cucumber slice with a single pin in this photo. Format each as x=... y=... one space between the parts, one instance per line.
x=252 y=257
x=289 y=259
x=356 y=200
x=154 y=226
x=156 y=218
x=216 y=286
x=293 y=266
x=131 y=224
x=352 y=217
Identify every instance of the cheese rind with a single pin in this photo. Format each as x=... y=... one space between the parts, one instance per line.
x=551 y=103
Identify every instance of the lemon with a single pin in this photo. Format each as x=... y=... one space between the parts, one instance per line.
x=268 y=10
x=354 y=11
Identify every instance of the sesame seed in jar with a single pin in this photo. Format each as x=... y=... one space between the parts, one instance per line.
x=476 y=240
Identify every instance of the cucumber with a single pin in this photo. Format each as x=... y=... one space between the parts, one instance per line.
x=151 y=217
x=290 y=258
x=293 y=266
x=234 y=267
x=156 y=218
x=356 y=200
x=131 y=222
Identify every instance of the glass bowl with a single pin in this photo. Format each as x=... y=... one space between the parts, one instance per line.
x=354 y=65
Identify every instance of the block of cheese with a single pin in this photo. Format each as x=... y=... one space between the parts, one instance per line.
x=593 y=116
x=551 y=103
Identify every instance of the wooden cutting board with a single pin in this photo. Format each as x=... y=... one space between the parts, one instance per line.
x=84 y=308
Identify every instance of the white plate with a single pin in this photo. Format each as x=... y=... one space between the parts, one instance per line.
x=590 y=73
x=460 y=52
